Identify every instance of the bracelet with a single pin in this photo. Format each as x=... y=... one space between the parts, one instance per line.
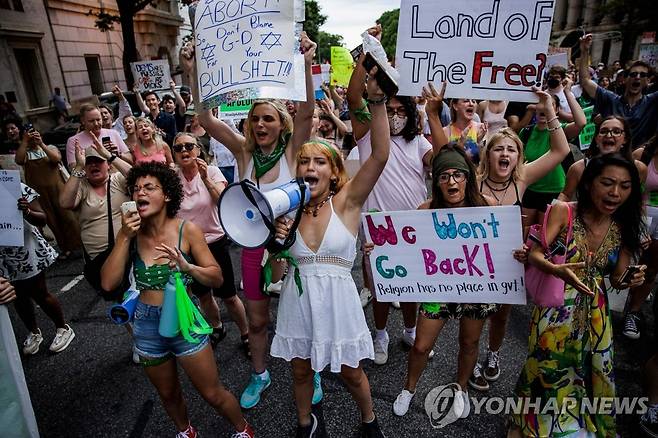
x=112 y=158
x=378 y=101
x=549 y=121
x=78 y=173
x=554 y=129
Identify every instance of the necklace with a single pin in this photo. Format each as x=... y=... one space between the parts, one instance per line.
x=504 y=190
x=315 y=209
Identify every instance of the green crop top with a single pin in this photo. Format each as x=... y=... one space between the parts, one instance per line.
x=155 y=277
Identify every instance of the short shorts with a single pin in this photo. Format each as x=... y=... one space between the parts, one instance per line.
x=457 y=310
x=537 y=200
x=219 y=249
x=148 y=342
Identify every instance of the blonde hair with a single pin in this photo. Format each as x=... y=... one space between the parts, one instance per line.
x=159 y=143
x=334 y=157
x=284 y=117
x=483 y=169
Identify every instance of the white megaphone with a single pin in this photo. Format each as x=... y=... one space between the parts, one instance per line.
x=247 y=214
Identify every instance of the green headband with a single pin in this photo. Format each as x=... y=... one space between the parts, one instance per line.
x=332 y=149
x=449 y=159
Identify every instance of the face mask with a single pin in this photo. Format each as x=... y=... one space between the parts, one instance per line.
x=553 y=83
x=397 y=124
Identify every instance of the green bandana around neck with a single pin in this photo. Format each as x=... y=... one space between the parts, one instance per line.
x=263 y=163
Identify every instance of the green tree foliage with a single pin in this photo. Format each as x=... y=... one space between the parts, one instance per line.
x=389 y=23
x=314 y=19
x=325 y=42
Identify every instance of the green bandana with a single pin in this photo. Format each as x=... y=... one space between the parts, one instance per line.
x=334 y=152
x=362 y=114
x=263 y=163
x=189 y=317
x=448 y=159
x=267 y=269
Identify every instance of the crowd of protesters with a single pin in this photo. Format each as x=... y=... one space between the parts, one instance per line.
x=176 y=159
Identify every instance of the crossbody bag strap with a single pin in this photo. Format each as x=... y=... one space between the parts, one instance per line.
x=110 y=221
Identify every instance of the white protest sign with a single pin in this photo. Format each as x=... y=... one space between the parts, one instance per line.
x=557 y=59
x=11 y=219
x=457 y=255
x=247 y=49
x=151 y=75
x=485 y=49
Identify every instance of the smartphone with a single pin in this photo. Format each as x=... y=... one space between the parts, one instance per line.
x=628 y=274
x=356 y=52
x=106 y=140
x=29 y=127
x=385 y=82
x=129 y=207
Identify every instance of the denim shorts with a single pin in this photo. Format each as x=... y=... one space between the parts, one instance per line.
x=148 y=342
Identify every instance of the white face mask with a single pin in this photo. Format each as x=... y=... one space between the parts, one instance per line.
x=397 y=124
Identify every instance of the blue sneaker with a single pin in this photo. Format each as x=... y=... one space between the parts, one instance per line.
x=317 y=389
x=251 y=395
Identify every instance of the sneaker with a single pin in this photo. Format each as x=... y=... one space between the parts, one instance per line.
x=365 y=296
x=63 y=338
x=395 y=304
x=408 y=340
x=371 y=430
x=631 y=328
x=190 y=432
x=402 y=402
x=248 y=432
x=492 y=371
x=309 y=430
x=477 y=380
x=467 y=403
x=317 y=389
x=32 y=343
x=251 y=395
x=381 y=350
x=649 y=422
x=218 y=334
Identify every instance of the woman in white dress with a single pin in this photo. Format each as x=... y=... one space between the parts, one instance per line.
x=320 y=321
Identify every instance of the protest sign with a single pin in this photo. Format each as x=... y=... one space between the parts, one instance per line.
x=342 y=65
x=235 y=110
x=485 y=49
x=649 y=54
x=557 y=59
x=587 y=134
x=457 y=255
x=248 y=50
x=151 y=75
x=316 y=74
x=11 y=219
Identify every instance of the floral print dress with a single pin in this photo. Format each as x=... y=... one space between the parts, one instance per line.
x=570 y=351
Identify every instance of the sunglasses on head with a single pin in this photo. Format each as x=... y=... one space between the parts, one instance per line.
x=179 y=147
x=635 y=74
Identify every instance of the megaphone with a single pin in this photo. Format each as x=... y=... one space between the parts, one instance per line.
x=122 y=313
x=248 y=214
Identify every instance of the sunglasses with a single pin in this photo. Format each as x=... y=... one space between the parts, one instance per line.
x=187 y=146
x=635 y=74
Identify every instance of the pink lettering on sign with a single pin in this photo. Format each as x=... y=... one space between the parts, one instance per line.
x=380 y=234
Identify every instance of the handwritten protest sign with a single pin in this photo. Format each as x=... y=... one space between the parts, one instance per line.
x=11 y=219
x=557 y=59
x=587 y=134
x=235 y=110
x=457 y=255
x=151 y=75
x=341 y=66
x=485 y=49
x=247 y=49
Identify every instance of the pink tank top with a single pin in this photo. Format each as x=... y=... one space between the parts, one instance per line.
x=159 y=156
x=651 y=184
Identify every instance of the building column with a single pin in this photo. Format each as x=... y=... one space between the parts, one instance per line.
x=573 y=14
x=559 y=14
x=589 y=12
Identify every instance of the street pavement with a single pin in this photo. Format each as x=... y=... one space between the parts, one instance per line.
x=93 y=389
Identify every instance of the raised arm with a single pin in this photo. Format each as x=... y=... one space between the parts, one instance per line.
x=182 y=106
x=539 y=168
x=365 y=179
x=355 y=102
x=579 y=120
x=21 y=153
x=304 y=117
x=583 y=67
x=433 y=107
x=327 y=108
x=338 y=101
x=69 y=193
x=141 y=105
x=124 y=106
x=216 y=128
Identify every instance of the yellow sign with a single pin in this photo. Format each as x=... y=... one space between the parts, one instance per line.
x=341 y=66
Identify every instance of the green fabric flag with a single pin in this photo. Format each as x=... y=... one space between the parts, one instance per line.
x=267 y=269
x=189 y=317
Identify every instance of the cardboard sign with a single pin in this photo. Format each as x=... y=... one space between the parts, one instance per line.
x=485 y=49
x=11 y=219
x=151 y=75
x=587 y=134
x=341 y=66
x=457 y=255
x=557 y=59
x=246 y=49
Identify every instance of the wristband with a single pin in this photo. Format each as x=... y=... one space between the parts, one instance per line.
x=549 y=121
x=112 y=158
x=378 y=101
x=78 y=173
x=554 y=129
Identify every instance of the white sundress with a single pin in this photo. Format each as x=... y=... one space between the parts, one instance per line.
x=326 y=323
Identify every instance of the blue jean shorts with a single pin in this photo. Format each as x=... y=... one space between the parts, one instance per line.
x=148 y=342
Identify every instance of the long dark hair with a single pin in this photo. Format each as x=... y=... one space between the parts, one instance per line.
x=629 y=215
x=625 y=150
x=472 y=197
x=650 y=149
x=410 y=130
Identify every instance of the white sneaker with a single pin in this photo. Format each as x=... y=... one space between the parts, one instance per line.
x=63 y=338
x=275 y=287
x=408 y=340
x=395 y=304
x=402 y=402
x=365 y=296
x=32 y=343
x=381 y=350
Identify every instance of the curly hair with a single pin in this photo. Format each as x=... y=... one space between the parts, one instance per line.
x=410 y=130
x=629 y=215
x=472 y=197
x=166 y=176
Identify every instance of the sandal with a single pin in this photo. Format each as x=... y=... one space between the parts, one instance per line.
x=217 y=335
